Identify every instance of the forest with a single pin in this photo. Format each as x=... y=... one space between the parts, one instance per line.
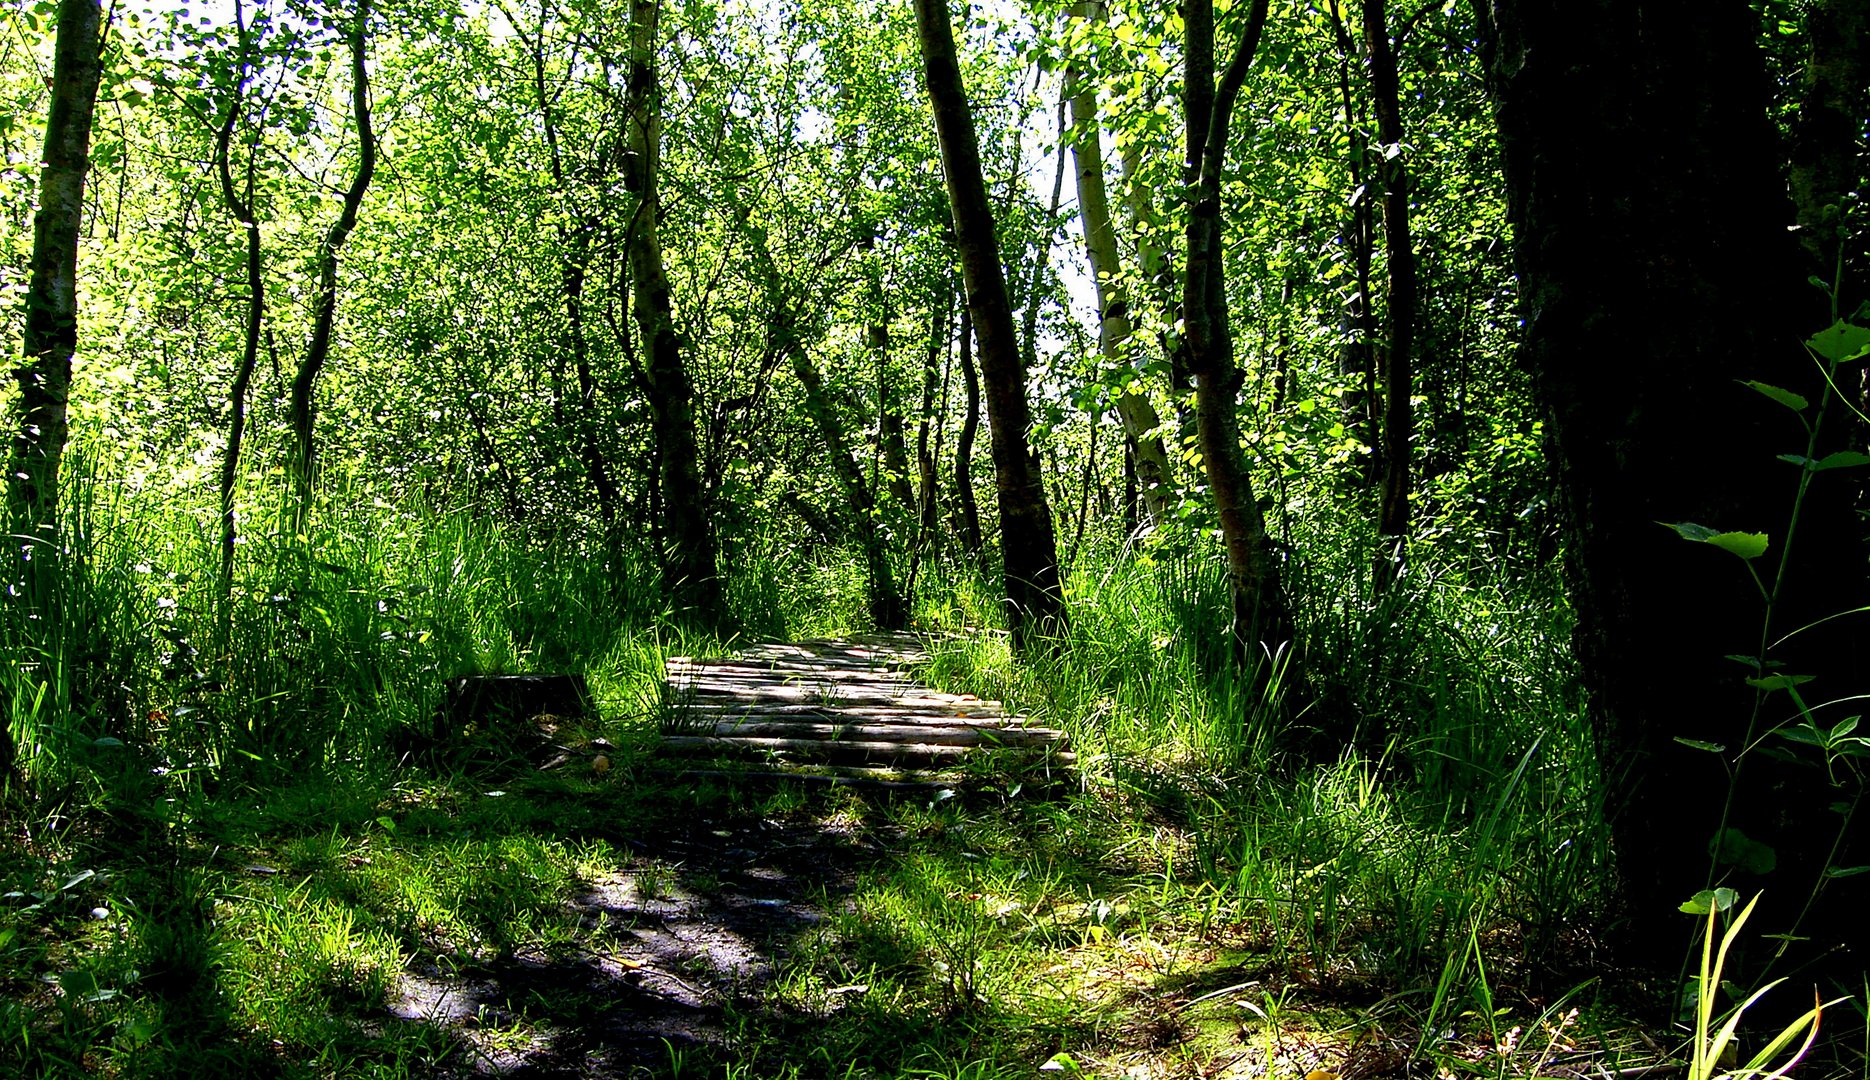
x=1412 y=452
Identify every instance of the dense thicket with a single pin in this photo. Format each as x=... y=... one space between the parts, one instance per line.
x=1372 y=305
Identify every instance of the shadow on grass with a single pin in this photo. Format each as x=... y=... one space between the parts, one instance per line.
x=533 y=925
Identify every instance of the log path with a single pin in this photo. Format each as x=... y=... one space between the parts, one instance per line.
x=844 y=712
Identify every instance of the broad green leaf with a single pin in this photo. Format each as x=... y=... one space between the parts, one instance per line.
x=1843 y=459
x=1846 y=871
x=1841 y=343
x=1790 y=400
x=1697 y=744
x=1803 y=733
x=1778 y=682
x=1745 y=545
x=1845 y=726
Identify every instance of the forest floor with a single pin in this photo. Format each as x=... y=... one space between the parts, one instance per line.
x=625 y=919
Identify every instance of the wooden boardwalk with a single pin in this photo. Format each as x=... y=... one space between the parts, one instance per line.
x=844 y=712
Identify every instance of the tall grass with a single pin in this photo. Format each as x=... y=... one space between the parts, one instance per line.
x=1432 y=777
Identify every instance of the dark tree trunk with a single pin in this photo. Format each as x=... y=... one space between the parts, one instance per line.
x=574 y=267
x=893 y=446
x=1356 y=357
x=887 y=608
x=572 y=274
x=302 y=410
x=688 y=541
x=967 y=512
x=1035 y=603
x=51 y=330
x=1656 y=273
x=1260 y=615
x=1399 y=252
x=240 y=206
x=927 y=446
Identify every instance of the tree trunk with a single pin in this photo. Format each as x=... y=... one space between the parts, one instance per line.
x=240 y=207
x=966 y=510
x=887 y=608
x=688 y=541
x=51 y=331
x=1114 y=332
x=1399 y=251
x=1260 y=615
x=893 y=446
x=1035 y=603
x=1356 y=357
x=1647 y=300
x=302 y=408
x=927 y=450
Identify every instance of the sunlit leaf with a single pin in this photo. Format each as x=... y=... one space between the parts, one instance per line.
x=1842 y=342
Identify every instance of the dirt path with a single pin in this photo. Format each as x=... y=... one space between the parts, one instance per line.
x=663 y=954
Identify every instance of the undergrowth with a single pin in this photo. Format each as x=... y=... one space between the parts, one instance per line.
x=218 y=861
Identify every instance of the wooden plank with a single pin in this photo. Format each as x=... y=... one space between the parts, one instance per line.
x=842 y=701
x=944 y=715
x=930 y=732
x=868 y=749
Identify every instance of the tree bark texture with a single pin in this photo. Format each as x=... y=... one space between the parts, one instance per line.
x=1035 y=602
x=1656 y=273
x=51 y=327
x=240 y=207
x=1114 y=331
x=1400 y=304
x=302 y=408
x=967 y=511
x=1260 y=614
x=687 y=540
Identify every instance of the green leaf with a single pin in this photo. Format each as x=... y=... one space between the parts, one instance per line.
x=1845 y=726
x=1779 y=682
x=1710 y=900
x=1846 y=871
x=1784 y=397
x=1745 y=545
x=1797 y=459
x=1803 y=733
x=1841 y=343
x=1697 y=744
x=1843 y=459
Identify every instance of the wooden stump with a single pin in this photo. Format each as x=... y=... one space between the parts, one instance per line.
x=489 y=719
